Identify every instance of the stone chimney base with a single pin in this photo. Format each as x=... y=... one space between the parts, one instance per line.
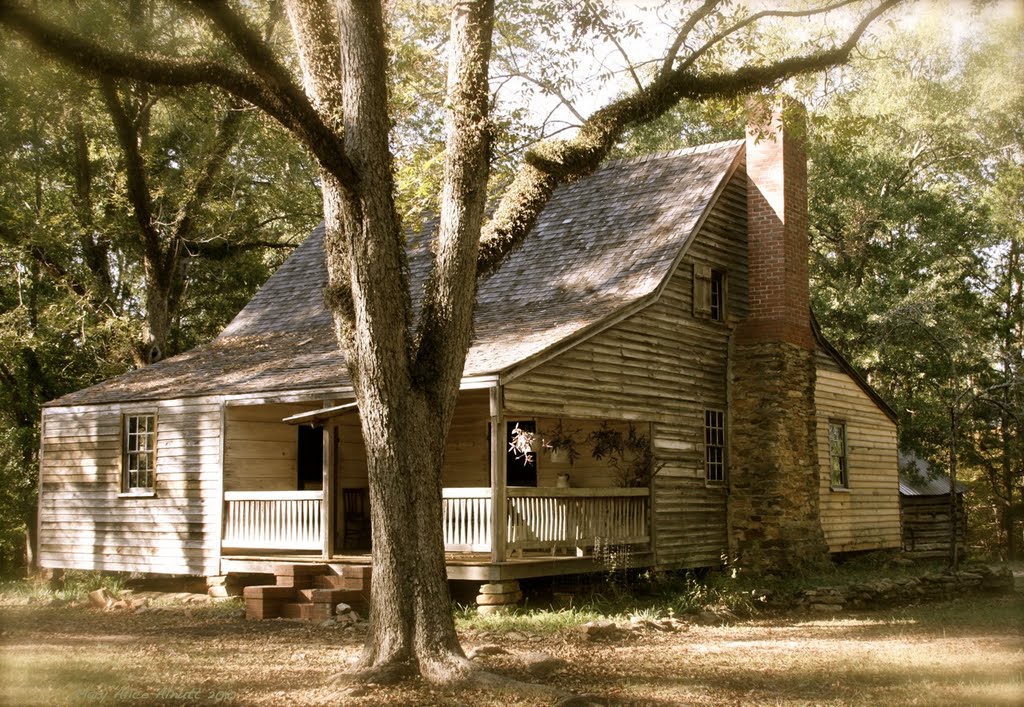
x=774 y=519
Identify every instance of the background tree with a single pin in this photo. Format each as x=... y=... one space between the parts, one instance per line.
x=406 y=363
x=915 y=208
x=123 y=212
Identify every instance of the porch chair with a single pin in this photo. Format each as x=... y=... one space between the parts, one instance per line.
x=356 y=507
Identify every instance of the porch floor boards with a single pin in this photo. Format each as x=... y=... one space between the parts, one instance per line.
x=472 y=566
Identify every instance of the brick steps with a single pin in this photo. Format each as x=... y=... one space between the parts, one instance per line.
x=308 y=592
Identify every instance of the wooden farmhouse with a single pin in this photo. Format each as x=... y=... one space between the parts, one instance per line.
x=665 y=295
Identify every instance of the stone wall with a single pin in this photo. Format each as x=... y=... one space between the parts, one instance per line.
x=894 y=592
x=774 y=517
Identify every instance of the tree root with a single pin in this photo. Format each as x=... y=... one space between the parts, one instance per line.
x=387 y=673
x=449 y=671
x=482 y=679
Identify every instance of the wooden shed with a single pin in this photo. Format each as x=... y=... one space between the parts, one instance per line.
x=617 y=314
x=927 y=515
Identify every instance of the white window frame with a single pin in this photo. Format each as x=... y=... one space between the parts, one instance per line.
x=138 y=453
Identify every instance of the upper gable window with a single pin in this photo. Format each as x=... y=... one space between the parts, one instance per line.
x=709 y=293
x=716 y=305
x=138 y=454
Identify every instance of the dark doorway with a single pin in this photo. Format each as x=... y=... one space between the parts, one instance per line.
x=311 y=458
x=520 y=469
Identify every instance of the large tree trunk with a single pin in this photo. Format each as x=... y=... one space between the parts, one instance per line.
x=406 y=384
x=403 y=431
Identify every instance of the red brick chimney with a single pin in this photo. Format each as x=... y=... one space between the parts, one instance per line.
x=777 y=229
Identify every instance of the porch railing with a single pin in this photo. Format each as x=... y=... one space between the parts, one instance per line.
x=273 y=520
x=547 y=518
x=580 y=518
x=466 y=519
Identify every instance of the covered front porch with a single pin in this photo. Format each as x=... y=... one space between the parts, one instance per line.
x=556 y=517
x=538 y=526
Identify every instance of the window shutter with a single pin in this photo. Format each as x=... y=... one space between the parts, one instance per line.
x=701 y=290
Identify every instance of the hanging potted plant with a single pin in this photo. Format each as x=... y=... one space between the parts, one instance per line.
x=628 y=453
x=521 y=444
x=561 y=444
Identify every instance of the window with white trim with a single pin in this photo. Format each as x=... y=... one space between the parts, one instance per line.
x=138 y=454
x=837 y=455
x=714 y=446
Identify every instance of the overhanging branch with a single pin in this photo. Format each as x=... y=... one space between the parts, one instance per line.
x=554 y=163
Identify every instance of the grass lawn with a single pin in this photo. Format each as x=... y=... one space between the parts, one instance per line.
x=950 y=653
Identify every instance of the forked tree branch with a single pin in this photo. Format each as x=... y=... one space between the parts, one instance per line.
x=757 y=16
x=684 y=32
x=225 y=139
x=553 y=163
x=135 y=171
x=442 y=338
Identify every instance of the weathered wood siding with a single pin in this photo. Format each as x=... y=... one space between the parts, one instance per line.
x=85 y=524
x=260 y=451
x=867 y=515
x=467 y=453
x=665 y=367
x=466 y=461
x=926 y=526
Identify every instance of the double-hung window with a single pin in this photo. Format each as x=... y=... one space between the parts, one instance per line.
x=138 y=454
x=837 y=455
x=714 y=446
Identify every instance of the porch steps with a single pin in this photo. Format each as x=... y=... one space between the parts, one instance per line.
x=308 y=592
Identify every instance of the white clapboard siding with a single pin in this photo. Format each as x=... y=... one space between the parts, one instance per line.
x=260 y=451
x=867 y=516
x=662 y=367
x=85 y=524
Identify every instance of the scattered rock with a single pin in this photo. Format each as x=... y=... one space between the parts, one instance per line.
x=345 y=619
x=708 y=618
x=541 y=664
x=596 y=630
x=486 y=649
x=826 y=608
x=101 y=598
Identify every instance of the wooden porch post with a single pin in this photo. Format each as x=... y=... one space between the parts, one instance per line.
x=499 y=522
x=327 y=504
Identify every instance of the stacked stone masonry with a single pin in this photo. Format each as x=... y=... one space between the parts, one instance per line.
x=774 y=517
x=928 y=587
x=498 y=597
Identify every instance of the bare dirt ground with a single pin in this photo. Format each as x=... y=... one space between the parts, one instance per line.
x=951 y=653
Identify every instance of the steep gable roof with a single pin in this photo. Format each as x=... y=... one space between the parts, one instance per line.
x=601 y=244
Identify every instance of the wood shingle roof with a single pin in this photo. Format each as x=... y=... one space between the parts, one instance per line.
x=602 y=244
